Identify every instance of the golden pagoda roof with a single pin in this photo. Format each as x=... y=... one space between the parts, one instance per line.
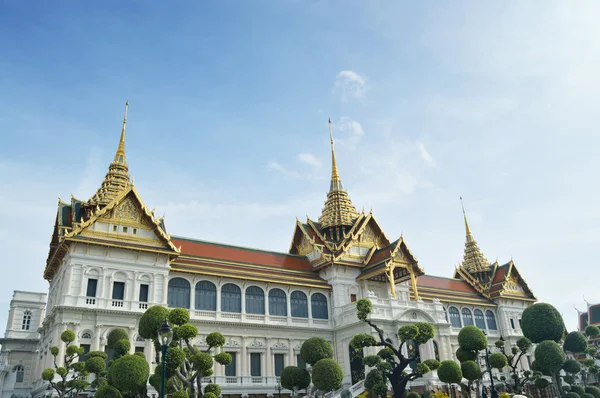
x=473 y=259
x=117 y=179
x=338 y=210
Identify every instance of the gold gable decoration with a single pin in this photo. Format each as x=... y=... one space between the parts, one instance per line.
x=128 y=211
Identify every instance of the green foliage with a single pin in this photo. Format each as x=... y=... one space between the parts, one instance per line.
x=408 y=332
x=541 y=322
x=549 y=356
x=48 y=374
x=346 y=394
x=592 y=331
x=470 y=370
x=201 y=360
x=116 y=335
x=422 y=368
x=372 y=360
x=541 y=383
x=62 y=371
x=223 y=358
x=588 y=362
x=121 y=348
x=215 y=339
x=426 y=332
x=569 y=394
x=68 y=336
x=578 y=390
x=449 y=372
x=432 y=364
x=95 y=365
x=129 y=374
x=498 y=360
x=595 y=391
x=499 y=344
x=175 y=357
x=187 y=331
x=107 y=391
x=180 y=394
x=375 y=383
x=327 y=375
x=94 y=354
x=294 y=378
x=73 y=350
x=78 y=366
x=213 y=388
x=586 y=395
x=151 y=320
x=464 y=355
x=363 y=309
x=316 y=349
x=575 y=342
x=471 y=338
x=569 y=379
x=179 y=316
x=571 y=366
x=362 y=340
x=524 y=344
x=209 y=395
x=413 y=394
x=54 y=350
x=385 y=353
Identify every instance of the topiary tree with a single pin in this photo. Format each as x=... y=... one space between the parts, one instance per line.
x=326 y=374
x=107 y=391
x=390 y=363
x=295 y=379
x=129 y=374
x=519 y=377
x=450 y=372
x=77 y=382
x=541 y=322
x=595 y=391
x=186 y=364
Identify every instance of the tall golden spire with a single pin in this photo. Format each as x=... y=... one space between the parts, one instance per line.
x=338 y=210
x=473 y=260
x=117 y=178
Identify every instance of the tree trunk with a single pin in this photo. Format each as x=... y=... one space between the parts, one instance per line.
x=399 y=386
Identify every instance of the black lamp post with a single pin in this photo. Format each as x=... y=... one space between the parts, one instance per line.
x=278 y=388
x=165 y=335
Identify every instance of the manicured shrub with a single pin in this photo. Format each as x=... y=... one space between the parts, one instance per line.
x=294 y=378
x=179 y=316
x=586 y=395
x=327 y=375
x=498 y=360
x=572 y=395
x=575 y=342
x=187 y=331
x=595 y=391
x=107 y=391
x=432 y=364
x=549 y=356
x=449 y=372
x=579 y=390
x=465 y=355
x=215 y=339
x=592 y=331
x=48 y=374
x=214 y=388
x=541 y=383
x=413 y=394
x=315 y=349
x=541 y=322
x=471 y=338
x=68 y=336
x=470 y=370
x=571 y=366
x=95 y=365
x=375 y=383
x=151 y=320
x=180 y=394
x=116 y=335
x=129 y=374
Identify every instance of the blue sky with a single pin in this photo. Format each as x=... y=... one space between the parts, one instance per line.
x=227 y=129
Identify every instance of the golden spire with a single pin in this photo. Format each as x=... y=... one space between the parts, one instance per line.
x=473 y=260
x=117 y=178
x=338 y=210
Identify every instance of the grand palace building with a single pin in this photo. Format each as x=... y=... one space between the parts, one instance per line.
x=111 y=258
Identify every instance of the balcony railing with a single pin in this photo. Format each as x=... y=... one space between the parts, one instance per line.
x=242 y=380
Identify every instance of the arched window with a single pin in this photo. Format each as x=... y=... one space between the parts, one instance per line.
x=179 y=293
x=467 y=317
x=26 y=320
x=436 y=350
x=299 y=304
x=277 y=302
x=255 y=300
x=86 y=335
x=318 y=304
x=231 y=298
x=479 y=321
x=206 y=296
x=454 y=317
x=20 y=373
x=491 y=320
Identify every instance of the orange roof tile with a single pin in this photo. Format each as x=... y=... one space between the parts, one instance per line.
x=444 y=283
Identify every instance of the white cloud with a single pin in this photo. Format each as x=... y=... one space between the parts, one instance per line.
x=309 y=159
x=350 y=85
x=351 y=132
x=425 y=155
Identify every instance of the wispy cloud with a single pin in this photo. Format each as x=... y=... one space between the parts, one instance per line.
x=309 y=159
x=350 y=85
x=425 y=155
x=351 y=132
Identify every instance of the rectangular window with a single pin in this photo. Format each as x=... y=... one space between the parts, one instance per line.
x=118 y=290
x=124 y=230
x=352 y=298
x=144 y=293
x=278 y=364
x=520 y=327
x=134 y=231
x=91 y=287
x=512 y=323
x=255 y=364
x=301 y=364
x=86 y=349
x=115 y=228
x=139 y=349
x=230 y=369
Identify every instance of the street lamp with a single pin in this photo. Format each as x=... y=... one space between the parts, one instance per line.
x=278 y=388
x=165 y=335
x=489 y=369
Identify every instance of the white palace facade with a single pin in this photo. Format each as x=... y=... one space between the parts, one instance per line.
x=110 y=259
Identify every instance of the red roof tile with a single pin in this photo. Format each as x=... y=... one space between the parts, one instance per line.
x=217 y=251
x=444 y=283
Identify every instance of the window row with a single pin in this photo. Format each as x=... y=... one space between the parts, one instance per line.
x=256 y=364
x=469 y=318
x=26 y=324
x=118 y=291
x=231 y=299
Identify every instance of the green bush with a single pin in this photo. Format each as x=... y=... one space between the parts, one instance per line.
x=465 y=355
x=121 y=348
x=432 y=364
x=413 y=394
x=223 y=358
x=292 y=377
x=129 y=374
x=407 y=332
x=586 y=395
x=449 y=372
x=95 y=365
x=579 y=390
x=202 y=360
x=179 y=316
x=575 y=342
x=99 y=354
x=68 y=336
x=116 y=335
x=572 y=395
x=524 y=344
x=541 y=383
x=180 y=394
x=363 y=309
x=541 y=322
x=151 y=320
x=549 y=356
x=375 y=383
x=498 y=360
x=595 y=391
x=187 y=331
x=470 y=370
x=571 y=366
x=327 y=375
x=592 y=331
x=215 y=339
x=372 y=360
x=315 y=349
x=48 y=374
x=471 y=338
x=209 y=395
x=362 y=340
x=107 y=391
x=569 y=379
x=214 y=388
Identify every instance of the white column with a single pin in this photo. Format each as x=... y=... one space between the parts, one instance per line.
x=193 y=294
x=291 y=361
x=244 y=358
x=96 y=345
x=165 y=289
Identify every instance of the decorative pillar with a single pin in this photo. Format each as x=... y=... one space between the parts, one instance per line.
x=98 y=332
x=269 y=359
x=291 y=361
x=243 y=300
x=193 y=294
x=165 y=289
x=245 y=360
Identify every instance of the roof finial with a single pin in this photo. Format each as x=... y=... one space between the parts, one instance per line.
x=465 y=217
x=120 y=155
x=335 y=175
